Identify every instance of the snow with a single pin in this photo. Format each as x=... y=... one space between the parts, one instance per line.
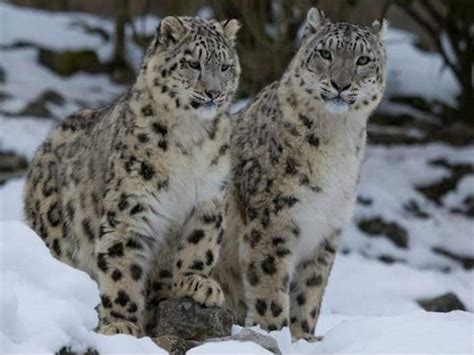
x=455 y=198
x=367 y=312
x=358 y=286
x=414 y=72
x=389 y=179
x=369 y=306
x=42 y=30
x=29 y=133
x=20 y=63
x=417 y=332
x=11 y=200
x=205 y=12
x=226 y=346
x=47 y=304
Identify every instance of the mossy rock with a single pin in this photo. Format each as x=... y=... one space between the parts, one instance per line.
x=69 y=62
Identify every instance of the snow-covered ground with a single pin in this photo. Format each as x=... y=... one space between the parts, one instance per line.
x=369 y=307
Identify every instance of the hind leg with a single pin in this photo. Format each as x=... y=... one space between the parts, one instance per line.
x=43 y=207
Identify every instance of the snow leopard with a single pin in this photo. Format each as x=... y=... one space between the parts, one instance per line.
x=296 y=154
x=131 y=193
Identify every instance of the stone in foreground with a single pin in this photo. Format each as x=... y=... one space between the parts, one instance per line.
x=265 y=341
x=444 y=303
x=187 y=320
x=172 y=344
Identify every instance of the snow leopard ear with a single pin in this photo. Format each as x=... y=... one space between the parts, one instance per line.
x=230 y=27
x=170 y=30
x=315 y=19
x=379 y=28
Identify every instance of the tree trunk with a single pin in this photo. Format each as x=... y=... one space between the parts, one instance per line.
x=121 y=12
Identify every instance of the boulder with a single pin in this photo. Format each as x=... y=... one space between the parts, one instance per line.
x=172 y=344
x=444 y=303
x=376 y=227
x=188 y=320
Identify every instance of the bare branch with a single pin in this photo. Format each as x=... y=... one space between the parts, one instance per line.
x=433 y=11
x=435 y=34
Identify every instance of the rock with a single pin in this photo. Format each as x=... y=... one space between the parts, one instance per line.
x=444 y=303
x=414 y=208
x=3 y=97
x=92 y=30
x=437 y=190
x=265 y=341
x=378 y=227
x=69 y=62
x=172 y=344
x=11 y=166
x=389 y=259
x=2 y=75
x=466 y=261
x=364 y=201
x=467 y=206
x=185 y=319
x=66 y=350
x=39 y=107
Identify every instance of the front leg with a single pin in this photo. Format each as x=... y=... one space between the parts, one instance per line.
x=197 y=255
x=307 y=289
x=123 y=252
x=265 y=251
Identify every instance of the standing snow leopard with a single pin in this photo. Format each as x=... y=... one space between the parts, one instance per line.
x=296 y=155
x=132 y=193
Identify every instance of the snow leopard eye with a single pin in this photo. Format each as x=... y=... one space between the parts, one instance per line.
x=363 y=60
x=325 y=54
x=195 y=65
x=225 y=67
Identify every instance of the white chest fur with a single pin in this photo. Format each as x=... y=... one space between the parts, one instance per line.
x=193 y=182
x=336 y=167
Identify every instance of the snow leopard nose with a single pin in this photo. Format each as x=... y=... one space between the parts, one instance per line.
x=212 y=94
x=340 y=86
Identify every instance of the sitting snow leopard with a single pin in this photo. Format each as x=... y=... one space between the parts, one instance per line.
x=296 y=155
x=132 y=193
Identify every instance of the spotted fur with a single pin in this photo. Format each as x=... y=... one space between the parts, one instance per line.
x=296 y=153
x=132 y=193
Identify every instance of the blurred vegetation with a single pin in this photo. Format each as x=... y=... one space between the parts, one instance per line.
x=450 y=27
x=268 y=38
